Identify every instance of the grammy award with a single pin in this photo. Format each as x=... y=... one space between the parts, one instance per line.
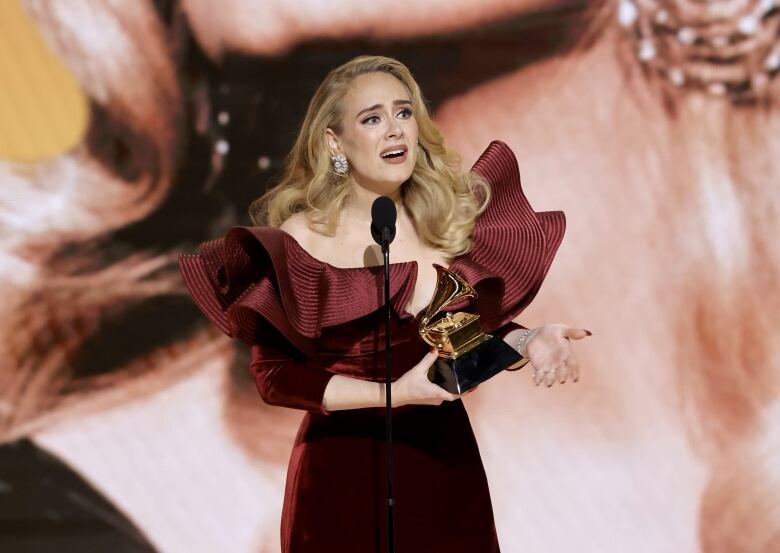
x=467 y=356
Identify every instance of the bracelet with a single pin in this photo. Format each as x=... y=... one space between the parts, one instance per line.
x=520 y=346
x=527 y=334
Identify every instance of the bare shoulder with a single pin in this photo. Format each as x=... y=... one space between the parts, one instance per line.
x=297 y=226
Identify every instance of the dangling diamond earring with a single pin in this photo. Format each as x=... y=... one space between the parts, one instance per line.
x=340 y=164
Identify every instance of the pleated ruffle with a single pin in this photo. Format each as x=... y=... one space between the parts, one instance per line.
x=264 y=272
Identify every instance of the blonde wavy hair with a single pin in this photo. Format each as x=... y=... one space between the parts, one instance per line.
x=443 y=200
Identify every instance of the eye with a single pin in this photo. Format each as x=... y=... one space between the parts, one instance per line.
x=405 y=113
x=371 y=119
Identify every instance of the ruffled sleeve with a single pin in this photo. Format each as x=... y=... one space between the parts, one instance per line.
x=255 y=275
x=514 y=245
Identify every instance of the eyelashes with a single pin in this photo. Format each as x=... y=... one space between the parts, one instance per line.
x=371 y=119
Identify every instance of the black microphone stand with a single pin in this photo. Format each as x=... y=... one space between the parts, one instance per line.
x=388 y=397
x=383 y=217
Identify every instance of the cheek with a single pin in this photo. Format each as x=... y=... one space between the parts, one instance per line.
x=413 y=133
x=360 y=138
x=362 y=146
x=352 y=143
x=411 y=129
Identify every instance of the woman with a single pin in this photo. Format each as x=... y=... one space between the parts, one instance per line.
x=303 y=292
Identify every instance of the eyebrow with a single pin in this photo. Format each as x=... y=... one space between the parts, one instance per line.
x=377 y=106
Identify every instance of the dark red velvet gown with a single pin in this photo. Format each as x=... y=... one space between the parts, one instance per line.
x=307 y=320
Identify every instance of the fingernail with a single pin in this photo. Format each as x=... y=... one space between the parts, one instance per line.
x=588 y=332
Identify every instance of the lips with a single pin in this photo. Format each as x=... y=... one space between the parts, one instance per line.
x=394 y=152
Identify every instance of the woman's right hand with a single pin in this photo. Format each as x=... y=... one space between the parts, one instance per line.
x=415 y=388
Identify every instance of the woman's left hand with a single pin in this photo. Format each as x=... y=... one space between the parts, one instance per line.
x=551 y=354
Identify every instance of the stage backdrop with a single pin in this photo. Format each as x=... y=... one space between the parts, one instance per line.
x=132 y=131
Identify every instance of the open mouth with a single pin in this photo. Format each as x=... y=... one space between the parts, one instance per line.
x=394 y=154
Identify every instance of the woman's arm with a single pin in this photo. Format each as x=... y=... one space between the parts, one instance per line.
x=283 y=380
x=413 y=387
x=286 y=381
x=351 y=393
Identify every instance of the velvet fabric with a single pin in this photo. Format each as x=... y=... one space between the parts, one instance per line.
x=307 y=320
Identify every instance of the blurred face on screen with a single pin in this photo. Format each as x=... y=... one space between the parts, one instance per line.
x=378 y=132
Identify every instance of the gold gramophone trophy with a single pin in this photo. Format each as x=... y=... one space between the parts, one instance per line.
x=467 y=356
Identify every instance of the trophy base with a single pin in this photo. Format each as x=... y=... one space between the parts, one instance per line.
x=472 y=368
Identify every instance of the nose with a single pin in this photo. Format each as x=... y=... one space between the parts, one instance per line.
x=394 y=129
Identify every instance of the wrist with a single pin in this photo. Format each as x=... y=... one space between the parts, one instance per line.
x=523 y=340
x=395 y=396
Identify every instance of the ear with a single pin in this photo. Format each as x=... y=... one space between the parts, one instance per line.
x=333 y=141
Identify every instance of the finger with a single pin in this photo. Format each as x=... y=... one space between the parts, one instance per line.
x=429 y=359
x=563 y=371
x=574 y=368
x=549 y=377
x=576 y=333
x=538 y=375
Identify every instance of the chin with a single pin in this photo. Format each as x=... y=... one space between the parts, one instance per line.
x=394 y=184
x=397 y=175
x=384 y=180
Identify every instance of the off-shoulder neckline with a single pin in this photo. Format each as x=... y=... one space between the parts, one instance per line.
x=512 y=251
x=311 y=257
x=404 y=264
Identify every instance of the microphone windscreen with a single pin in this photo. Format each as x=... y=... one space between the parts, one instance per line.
x=383 y=216
x=383 y=213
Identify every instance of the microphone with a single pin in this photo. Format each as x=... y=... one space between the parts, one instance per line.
x=383 y=216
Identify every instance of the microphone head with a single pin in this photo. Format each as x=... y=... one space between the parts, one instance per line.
x=383 y=216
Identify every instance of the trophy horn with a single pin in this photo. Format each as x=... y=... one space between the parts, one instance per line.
x=467 y=356
x=450 y=287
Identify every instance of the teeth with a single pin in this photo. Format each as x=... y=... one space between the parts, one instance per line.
x=386 y=154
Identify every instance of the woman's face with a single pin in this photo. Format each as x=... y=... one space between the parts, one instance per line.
x=379 y=133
